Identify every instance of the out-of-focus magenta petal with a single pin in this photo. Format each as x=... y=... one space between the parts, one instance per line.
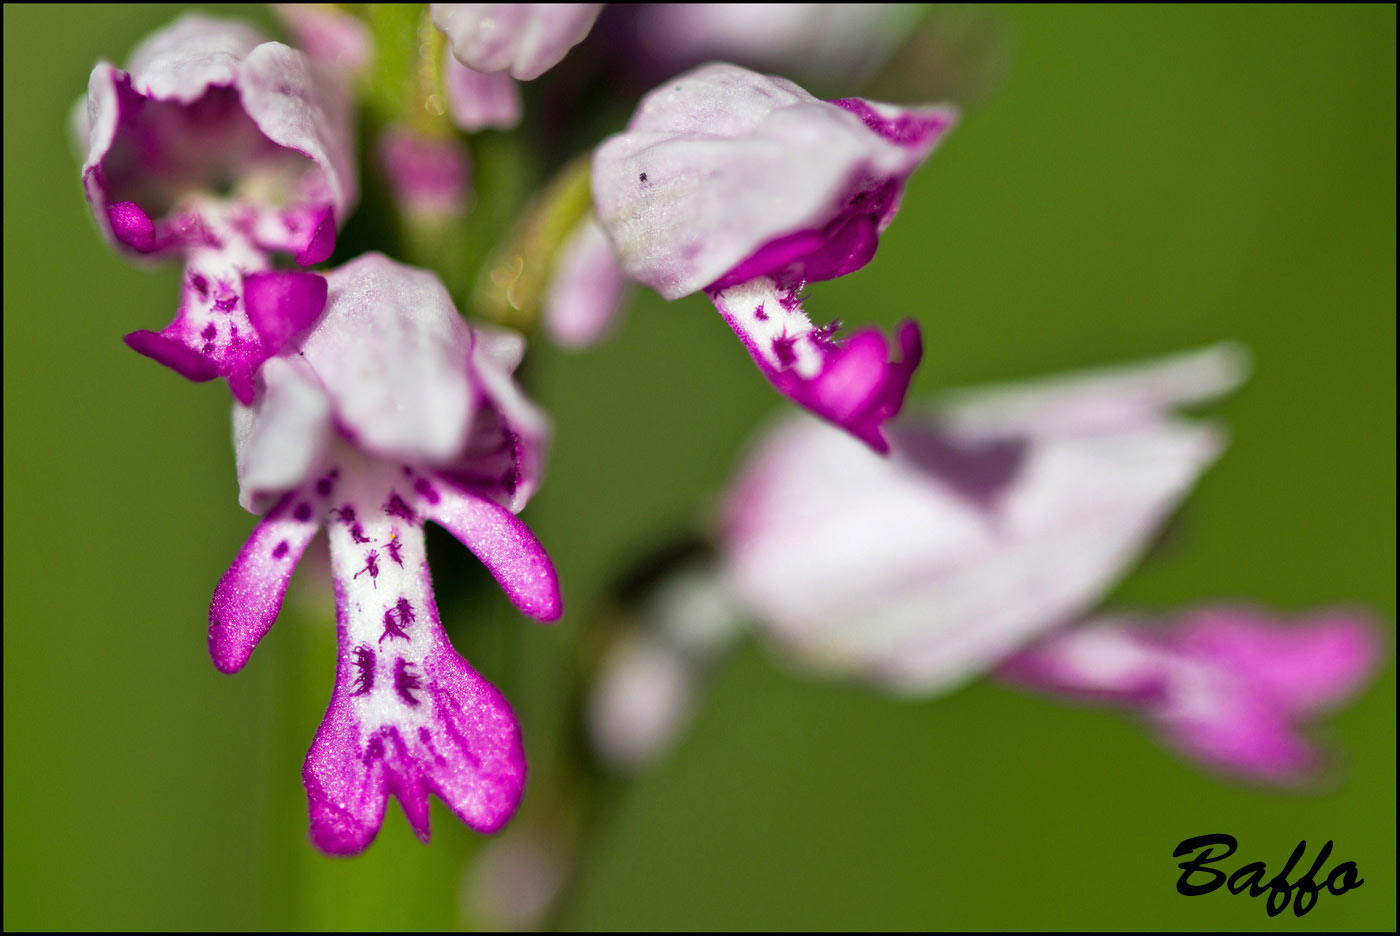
x=586 y=291
x=525 y=39
x=430 y=176
x=478 y=100
x=330 y=35
x=1224 y=685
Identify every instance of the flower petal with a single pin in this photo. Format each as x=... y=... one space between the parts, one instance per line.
x=249 y=596
x=1223 y=685
x=527 y=39
x=430 y=177
x=504 y=545
x=1314 y=664
x=282 y=439
x=391 y=351
x=586 y=291
x=1099 y=399
x=328 y=34
x=478 y=100
x=724 y=175
x=504 y=457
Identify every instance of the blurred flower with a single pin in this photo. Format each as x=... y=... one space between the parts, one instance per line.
x=496 y=44
x=815 y=41
x=1000 y=514
x=514 y=881
x=329 y=34
x=477 y=100
x=748 y=187
x=221 y=149
x=525 y=39
x=586 y=290
x=647 y=685
x=390 y=412
x=429 y=175
x=1223 y=685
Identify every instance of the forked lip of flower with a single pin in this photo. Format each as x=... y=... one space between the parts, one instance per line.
x=723 y=175
x=205 y=106
x=983 y=528
x=393 y=369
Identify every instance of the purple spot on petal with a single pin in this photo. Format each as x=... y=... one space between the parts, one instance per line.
x=782 y=350
x=760 y=314
x=406 y=682
x=303 y=512
x=395 y=549
x=405 y=611
x=426 y=491
x=364 y=678
x=210 y=332
x=345 y=514
x=393 y=627
x=397 y=507
x=227 y=303
x=207 y=347
x=425 y=737
x=371 y=566
x=281 y=550
x=323 y=487
x=357 y=533
x=201 y=286
x=642 y=177
x=375 y=749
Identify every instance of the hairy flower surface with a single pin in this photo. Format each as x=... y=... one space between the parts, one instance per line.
x=389 y=413
x=1224 y=685
x=999 y=515
x=220 y=149
x=747 y=187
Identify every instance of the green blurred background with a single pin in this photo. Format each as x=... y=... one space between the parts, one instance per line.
x=1143 y=180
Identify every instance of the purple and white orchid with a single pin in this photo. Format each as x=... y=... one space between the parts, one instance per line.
x=1223 y=685
x=747 y=187
x=221 y=149
x=391 y=412
x=999 y=515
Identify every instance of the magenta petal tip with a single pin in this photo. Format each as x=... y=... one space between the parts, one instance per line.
x=183 y=361
x=132 y=226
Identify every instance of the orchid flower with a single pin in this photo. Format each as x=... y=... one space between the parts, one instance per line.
x=747 y=187
x=1224 y=685
x=390 y=412
x=1000 y=514
x=221 y=149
